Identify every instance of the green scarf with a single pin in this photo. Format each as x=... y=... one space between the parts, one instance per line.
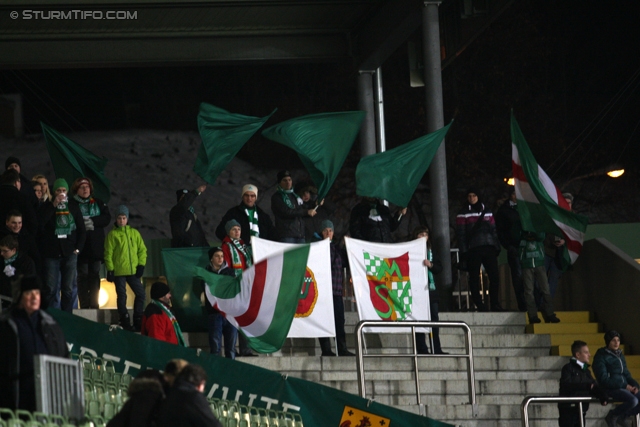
x=252 y=214
x=236 y=248
x=285 y=197
x=174 y=321
x=432 y=282
x=64 y=220
x=10 y=260
x=88 y=206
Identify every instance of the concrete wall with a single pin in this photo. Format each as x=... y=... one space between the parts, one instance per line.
x=606 y=281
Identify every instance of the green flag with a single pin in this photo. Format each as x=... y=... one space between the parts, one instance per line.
x=223 y=135
x=393 y=175
x=71 y=161
x=321 y=140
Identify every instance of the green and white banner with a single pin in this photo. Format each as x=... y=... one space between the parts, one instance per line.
x=318 y=405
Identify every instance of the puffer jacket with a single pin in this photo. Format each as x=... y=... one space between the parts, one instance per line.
x=610 y=369
x=124 y=250
x=484 y=235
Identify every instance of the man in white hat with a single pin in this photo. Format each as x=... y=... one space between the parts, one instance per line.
x=253 y=220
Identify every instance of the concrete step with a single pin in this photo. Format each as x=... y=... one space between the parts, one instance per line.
x=563 y=328
x=570 y=316
x=594 y=341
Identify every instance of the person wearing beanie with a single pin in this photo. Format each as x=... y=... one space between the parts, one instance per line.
x=186 y=230
x=26 y=330
x=218 y=326
x=13 y=163
x=96 y=216
x=61 y=241
x=253 y=220
x=479 y=245
x=158 y=321
x=612 y=374
x=289 y=211
x=372 y=221
x=11 y=198
x=337 y=282
x=125 y=256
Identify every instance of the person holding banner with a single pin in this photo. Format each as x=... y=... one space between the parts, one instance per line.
x=337 y=280
x=372 y=221
x=434 y=266
x=217 y=324
x=289 y=210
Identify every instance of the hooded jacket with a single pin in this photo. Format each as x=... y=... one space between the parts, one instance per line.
x=124 y=250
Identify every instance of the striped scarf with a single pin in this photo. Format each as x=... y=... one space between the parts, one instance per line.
x=174 y=321
x=432 y=282
x=252 y=214
x=65 y=223
x=285 y=196
x=88 y=207
x=237 y=248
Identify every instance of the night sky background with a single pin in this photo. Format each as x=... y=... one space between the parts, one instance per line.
x=569 y=69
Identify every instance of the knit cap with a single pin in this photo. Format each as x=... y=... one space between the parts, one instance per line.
x=609 y=336
x=230 y=224
x=11 y=160
x=326 y=224
x=122 y=210
x=250 y=187
x=60 y=182
x=158 y=290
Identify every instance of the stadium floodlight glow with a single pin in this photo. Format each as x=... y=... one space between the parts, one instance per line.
x=615 y=173
x=510 y=181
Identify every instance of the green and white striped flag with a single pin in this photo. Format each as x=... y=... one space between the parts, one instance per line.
x=263 y=301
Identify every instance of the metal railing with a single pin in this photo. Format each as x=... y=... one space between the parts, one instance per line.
x=360 y=356
x=59 y=386
x=557 y=399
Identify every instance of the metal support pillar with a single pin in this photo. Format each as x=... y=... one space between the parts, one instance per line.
x=434 y=121
x=379 y=104
x=365 y=103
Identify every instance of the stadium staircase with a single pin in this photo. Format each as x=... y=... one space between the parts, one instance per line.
x=512 y=360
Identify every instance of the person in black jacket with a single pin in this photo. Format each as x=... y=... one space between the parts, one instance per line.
x=15 y=265
x=218 y=326
x=509 y=230
x=186 y=230
x=289 y=211
x=185 y=405
x=62 y=240
x=96 y=216
x=372 y=221
x=13 y=227
x=26 y=331
x=479 y=245
x=12 y=199
x=576 y=381
x=13 y=163
x=253 y=220
x=146 y=396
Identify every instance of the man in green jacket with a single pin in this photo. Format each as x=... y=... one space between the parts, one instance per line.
x=125 y=256
x=532 y=262
x=612 y=374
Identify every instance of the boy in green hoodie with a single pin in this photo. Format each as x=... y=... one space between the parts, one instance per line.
x=125 y=256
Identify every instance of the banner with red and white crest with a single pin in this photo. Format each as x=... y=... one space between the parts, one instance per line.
x=314 y=316
x=390 y=281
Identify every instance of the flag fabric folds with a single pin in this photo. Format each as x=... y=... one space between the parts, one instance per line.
x=394 y=175
x=390 y=281
x=322 y=142
x=540 y=203
x=263 y=301
x=71 y=161
x=315 y=303
x=223 y=135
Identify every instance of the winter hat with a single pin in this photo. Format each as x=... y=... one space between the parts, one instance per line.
x=122 y=210
x=213 y=250
x=158 y=290
x=283 y=174
x=230 y=224
x=250 y=187
x=81 y=181
x=11 y=160
x=28 y=283
x=181 y=192
x=473 y=190
x=610 y=335
x=326 y=224
x=60 y=182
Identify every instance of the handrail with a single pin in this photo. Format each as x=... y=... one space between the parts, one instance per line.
x=412 y=325
x=557 y=399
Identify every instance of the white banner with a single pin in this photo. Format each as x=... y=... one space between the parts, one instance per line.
x=390 y=281
x=314 y=317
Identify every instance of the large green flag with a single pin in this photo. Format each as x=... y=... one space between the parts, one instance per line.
x=322 y=142
x=71 y=161
x=394 y=175
x=223 y=135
